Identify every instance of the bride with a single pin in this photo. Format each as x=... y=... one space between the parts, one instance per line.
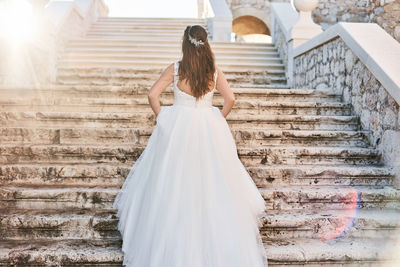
x=188 y=201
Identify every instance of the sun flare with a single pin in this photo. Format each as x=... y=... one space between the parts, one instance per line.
x=16 y=20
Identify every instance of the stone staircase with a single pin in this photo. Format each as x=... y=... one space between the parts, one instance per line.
x=66 y=148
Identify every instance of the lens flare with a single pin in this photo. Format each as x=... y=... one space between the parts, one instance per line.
x=346 y=218
x=16 y=20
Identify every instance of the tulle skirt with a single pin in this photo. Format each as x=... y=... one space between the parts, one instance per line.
x=188 y=201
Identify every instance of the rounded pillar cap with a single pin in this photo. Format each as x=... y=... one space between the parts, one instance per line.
x=305 y=5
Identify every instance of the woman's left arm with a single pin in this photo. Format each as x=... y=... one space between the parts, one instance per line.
x=166 y=78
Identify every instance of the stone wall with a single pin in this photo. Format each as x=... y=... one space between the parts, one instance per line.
x=333 y=66
x=280 y=43
x=386 y=13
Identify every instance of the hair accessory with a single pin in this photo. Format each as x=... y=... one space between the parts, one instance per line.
x=193 y=40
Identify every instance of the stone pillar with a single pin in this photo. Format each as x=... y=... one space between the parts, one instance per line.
x=305 y=28
x=218 y=17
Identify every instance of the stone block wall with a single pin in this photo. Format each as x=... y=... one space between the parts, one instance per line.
x=333 y=66
x=280 y=43
x=386 y=13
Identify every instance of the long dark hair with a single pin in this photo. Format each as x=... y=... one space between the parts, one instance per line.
x=197 y=64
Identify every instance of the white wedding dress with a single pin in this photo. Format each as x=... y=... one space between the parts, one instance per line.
x=188 y=201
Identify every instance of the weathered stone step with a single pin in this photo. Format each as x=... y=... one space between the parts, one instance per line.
x=113 y=175
x=353 y=252
x=162 y=63
x=149 y=74
x=139 y=136
x=298 y=252
x=122 y=26
x=129 y=120
x=268 y=155
x=140 y=30
x=136 y=79
x=303 y=175
x=279 y=226
x=155 y=24
x=145 y=50
x=277 y=198
x=123 y=33
x=213 y=44
x=141 y=104
x=220 y=59
x=160 y=21
x=148 y=37
x=123 y=92
x=331 y=224
x=61 y=253
x=306 y=155
x=58 y=225
x=140 y=44
x=319 y=198
x=269 y=80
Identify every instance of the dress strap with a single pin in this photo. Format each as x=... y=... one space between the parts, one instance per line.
x=176 y=67
x=215 y=79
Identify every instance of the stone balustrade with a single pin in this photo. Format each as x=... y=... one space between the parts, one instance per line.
x=219 y=18
x=283 y=18
x=357 y=61
x=56 y=23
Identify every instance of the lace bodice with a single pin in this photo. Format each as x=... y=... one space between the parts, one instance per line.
x=183 y=98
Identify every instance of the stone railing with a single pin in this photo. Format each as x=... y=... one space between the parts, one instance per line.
x=360 y=61
x=68 y=20
x=219 y=18
x=55 y=25
x=283 y=18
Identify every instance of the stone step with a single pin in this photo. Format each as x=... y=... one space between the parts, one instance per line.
x=143 y=26
x=159 y=20
x=250 y=156
x=141 y=104
x=129 y=120
x=58 y=225
x=159 y=24
x=139 y=75
x=124 y=41
x=137 y=26
x=292 y=155
x=148 y=37
x=279 y=226
x=331 y=225
x=151 y=50
x=138 y=92
x=113 y=175
x=115 y=44
x=316 y=198
x=299 y=252
x=61 y=253
x=270 y=80
x=303 y=175
x=162 y=63
x=139 y=29
x=354 y=252
x=162 y=57
x=139 y=136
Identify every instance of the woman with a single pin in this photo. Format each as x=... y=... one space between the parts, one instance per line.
x=188 y=201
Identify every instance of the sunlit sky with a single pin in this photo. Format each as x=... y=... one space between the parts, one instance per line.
x=152 y=8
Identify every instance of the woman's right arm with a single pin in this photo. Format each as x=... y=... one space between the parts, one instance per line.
x=223 y=88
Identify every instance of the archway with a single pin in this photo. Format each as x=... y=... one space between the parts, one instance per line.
x=250 y=29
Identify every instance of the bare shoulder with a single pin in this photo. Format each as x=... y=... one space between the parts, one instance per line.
x=168 y=72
